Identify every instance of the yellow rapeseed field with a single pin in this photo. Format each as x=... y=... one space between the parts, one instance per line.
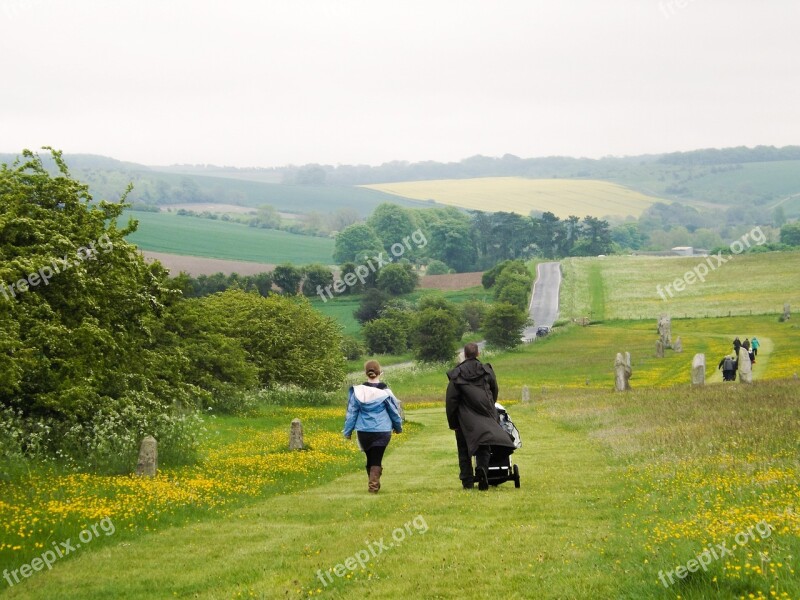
x=563 y=197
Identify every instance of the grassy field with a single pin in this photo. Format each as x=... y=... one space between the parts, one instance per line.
x=616 y=495
x=341 y=308
x=577 y=357
x=758 y=283
x=622 y=493
x=173 y=234
x=563 y=197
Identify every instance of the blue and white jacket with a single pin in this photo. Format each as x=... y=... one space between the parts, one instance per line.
x=372 y=409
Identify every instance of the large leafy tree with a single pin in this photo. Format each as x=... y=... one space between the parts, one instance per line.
x=353 y=242
x=392 y=224
x=79 y=302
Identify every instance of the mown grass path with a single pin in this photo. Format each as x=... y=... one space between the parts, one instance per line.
x=558 y=536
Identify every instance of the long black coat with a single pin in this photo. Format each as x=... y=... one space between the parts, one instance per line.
x=471 y=395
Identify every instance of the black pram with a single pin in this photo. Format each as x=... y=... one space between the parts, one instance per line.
x=501 y=469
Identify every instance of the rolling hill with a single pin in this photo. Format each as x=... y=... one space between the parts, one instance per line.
x=563 y=197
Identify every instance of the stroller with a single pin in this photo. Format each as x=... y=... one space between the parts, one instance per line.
x=501 y=469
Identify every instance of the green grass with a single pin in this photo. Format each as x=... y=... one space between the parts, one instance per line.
x=757 y=283
x=583 y=357
x=597 y=290
x=603 y=476
x=42 y=486
x=167 y=232
x=341 y=308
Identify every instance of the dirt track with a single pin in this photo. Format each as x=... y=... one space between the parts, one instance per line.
x=199 y=265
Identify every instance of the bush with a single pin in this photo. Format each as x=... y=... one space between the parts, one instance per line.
x=352 y=348
x=504 y=324
x=382 y=336
x=474 y=313
x=397 y=279
x=373 y=302
x=317 y=277
x=433 y=335
x=437 y=267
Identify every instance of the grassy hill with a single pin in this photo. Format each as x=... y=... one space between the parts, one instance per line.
x=627 y=287
x=563 y=197
x=168 y=232
x=763 y=184
x=619 y=490
x=108 y=178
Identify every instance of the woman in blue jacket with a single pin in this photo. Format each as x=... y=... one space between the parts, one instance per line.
x=372 y=410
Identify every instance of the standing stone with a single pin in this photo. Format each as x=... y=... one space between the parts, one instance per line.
x=622 y=372
x=148 y=457
x=678 y=345
x=659 y=349
x=526 y=394
x=665 y=330
x=296 y=435
x=745 y=366
x=699 y=369
x=786 y=312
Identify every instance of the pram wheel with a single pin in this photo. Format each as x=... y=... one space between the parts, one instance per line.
x=516 y=476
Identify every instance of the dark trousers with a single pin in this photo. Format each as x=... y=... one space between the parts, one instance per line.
x=466 y=474
x=374 y=445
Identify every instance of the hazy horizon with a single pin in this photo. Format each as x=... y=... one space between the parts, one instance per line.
x=272 y=84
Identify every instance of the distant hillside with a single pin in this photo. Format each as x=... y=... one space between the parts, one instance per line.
x=563 y=197
x=172 y=234
x=108 y=178
x=754 y=179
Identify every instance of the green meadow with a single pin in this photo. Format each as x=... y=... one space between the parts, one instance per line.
x=623 y=495
x=168 y=232
x=627 y=287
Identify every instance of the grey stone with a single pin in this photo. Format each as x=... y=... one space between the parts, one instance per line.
x=659 y=349
x=296 y=435
x=622 y=372
x=745 y=366
x=665 y=330
x=147 y=466
x=678 y=345
x=699 y=369
x=787 y=311
x=526 y=394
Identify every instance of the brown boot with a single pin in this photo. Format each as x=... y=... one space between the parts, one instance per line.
x=375 y=479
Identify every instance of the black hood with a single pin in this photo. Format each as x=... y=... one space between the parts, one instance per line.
x=468 y=371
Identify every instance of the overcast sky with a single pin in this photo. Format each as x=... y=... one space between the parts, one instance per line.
x=269 y=83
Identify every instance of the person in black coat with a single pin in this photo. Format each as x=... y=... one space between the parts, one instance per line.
x=471 y=413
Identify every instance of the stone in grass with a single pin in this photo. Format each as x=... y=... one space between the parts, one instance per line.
x=526 y=394
x=678 y=345
x=699 y=369
x=148 y=457
x=745 y=366
x=296 y=435
x=622 y=372
x=659 y=348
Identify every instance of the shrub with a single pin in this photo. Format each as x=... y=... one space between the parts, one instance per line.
x=433 y=335
x=382 y=336
x=504 y=324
